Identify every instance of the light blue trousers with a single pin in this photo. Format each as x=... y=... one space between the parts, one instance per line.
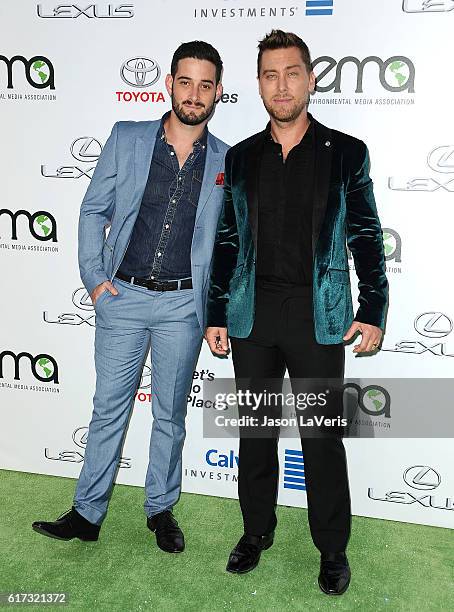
x=126 y=326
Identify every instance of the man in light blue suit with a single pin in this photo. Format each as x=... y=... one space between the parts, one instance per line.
x=158 y=185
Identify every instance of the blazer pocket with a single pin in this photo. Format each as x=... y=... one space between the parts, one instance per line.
x=339 y=276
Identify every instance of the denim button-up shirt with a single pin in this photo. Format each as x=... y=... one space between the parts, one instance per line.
x=160 y=244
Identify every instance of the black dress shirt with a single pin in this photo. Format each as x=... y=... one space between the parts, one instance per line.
x=284 y=251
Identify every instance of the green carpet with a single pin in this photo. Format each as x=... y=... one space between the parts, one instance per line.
x=395 y=566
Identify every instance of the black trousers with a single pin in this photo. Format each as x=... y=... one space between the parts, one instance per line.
x=283 y=337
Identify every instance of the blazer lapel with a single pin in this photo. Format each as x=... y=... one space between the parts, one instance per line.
x=143 y=152
x=323 y=159
x=252 y=170
x=213 y=163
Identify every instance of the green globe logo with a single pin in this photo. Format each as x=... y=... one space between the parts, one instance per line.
x=389 y=243
x=42 y=225
x=397 y=74
x=45 y=367
x=40 y=72
x=374 y=400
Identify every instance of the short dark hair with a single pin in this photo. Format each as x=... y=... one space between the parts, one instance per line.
x=278 y=39
x=197 y=49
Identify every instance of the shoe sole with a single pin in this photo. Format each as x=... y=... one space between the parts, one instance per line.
x=170 y=551
x=254 y=566
x=55 y=537
x=340 y=592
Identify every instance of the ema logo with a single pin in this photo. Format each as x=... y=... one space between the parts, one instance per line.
x=392 y=247
x=319 y=7
x=44 y=367
x=373 y=400
x=294 y=470
x=39 y=71
x=396 y=74
x=41 y=224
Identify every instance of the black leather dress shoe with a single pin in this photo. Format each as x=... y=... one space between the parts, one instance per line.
x=69 y=526
x=334 y=576
x=246 y=554
x=169 y=536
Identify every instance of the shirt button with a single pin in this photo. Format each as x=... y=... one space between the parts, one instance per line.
x=179 y=178
x=173 y=201
x=152 y=278
x=167 y=226
x=172 y=153
x=159 y=254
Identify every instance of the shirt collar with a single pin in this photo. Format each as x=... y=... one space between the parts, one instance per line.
x=161 y=135
x=307 y=139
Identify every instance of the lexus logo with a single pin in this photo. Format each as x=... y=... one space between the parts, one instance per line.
x=433 y=324
x=422 y=477
x=427 y=6
x=441 y=159
x=86 y=149
x=140 y=72
x=81 y=299
x=80 y=436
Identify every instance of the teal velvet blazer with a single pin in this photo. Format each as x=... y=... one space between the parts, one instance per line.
x=344 y=213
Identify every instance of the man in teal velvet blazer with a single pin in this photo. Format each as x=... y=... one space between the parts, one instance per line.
x=281 y=317
x=343 y=208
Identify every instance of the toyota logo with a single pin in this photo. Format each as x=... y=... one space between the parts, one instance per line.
x=81 y=299
x=140 y=72
x=80 y=436
x=422 y=477
x=433 y=324
x=86 y=149
x=441 y=159
x=145 y=380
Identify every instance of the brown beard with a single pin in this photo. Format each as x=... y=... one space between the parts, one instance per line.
x=190 y=118
x=289 y=114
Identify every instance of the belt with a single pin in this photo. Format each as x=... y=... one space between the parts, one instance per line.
x=152 y=285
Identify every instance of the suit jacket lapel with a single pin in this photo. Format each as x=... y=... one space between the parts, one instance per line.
x=143 y=152
x=213 y=163
x=323 y=159
x=252 y=168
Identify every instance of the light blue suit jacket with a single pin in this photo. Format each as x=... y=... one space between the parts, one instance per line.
x=114 y=197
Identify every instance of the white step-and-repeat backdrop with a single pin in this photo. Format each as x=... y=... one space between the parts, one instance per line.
x=69 y=71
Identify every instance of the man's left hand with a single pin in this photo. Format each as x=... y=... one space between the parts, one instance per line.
x=371 y=336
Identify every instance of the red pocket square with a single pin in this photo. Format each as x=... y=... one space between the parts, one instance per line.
x=220 y=178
